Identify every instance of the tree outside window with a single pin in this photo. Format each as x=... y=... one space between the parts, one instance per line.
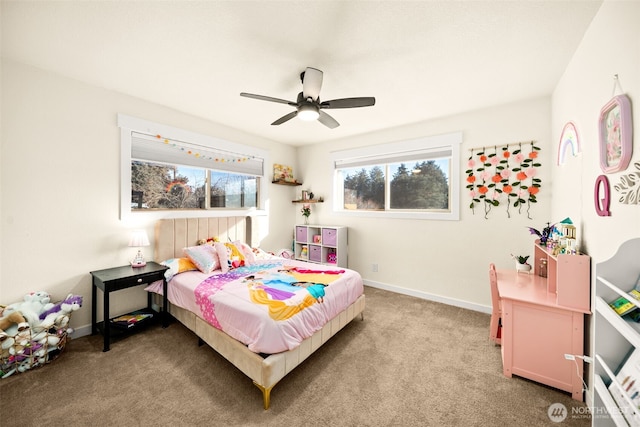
x=163 y=186
x=423 y=186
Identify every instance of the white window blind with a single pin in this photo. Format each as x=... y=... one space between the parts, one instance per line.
x=432 y=147
x=172 y=151
x=396 y=157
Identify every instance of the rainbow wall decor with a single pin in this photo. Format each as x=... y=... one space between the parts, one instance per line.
x=569 y=141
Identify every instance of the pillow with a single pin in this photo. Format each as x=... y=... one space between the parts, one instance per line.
x=177 y=266
x=204 y=257
x=249 y=256
x=223 y=256
x=236 y=257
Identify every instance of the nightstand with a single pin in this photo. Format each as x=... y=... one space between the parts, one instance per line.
x=117 y=278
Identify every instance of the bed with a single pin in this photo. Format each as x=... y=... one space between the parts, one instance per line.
x=265 y=368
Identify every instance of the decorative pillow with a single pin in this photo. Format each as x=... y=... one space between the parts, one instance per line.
x=236 y=257
x=204 y=257
x=224 y=256
x=249 y=256
x=177 y=266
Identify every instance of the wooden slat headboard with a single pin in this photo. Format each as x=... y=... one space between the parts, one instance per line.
x=172 y=235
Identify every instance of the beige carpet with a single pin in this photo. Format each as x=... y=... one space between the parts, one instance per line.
x=411 y=362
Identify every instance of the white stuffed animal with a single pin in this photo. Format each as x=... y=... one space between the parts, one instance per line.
x=34 y=303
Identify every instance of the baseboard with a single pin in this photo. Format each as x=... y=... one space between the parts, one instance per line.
x=81 y=331
x=431 y=297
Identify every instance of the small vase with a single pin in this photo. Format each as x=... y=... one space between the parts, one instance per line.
x=306 y=220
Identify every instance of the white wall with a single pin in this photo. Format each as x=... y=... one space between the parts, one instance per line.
x=441 y=260
x=610 y=46
x=60 y=175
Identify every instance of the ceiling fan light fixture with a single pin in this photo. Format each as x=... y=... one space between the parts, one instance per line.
x=308 y=105
x=308 y=113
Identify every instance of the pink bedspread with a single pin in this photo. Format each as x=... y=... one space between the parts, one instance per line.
x=271 y=306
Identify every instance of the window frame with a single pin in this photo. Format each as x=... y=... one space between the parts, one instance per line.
x=432 y=144
x=130 y=124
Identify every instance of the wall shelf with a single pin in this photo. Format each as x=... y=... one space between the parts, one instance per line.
x=282 y=182
x=308 y=201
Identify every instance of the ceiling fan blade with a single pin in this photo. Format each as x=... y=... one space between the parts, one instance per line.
x=367 y=101
x=268 y=98
x=285 y=118
x=311 y=83
x=327 y=120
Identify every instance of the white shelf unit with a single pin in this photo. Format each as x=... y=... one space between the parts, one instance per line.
x=615 y=337
x=321 y=244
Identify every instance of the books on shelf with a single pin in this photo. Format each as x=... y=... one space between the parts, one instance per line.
x=131 y=319
x=626 y=390
x=623 y=306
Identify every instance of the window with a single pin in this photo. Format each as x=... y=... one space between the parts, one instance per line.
x=409 y=179
x=167 y=170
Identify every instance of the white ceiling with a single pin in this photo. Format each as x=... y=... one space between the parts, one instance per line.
x=420 y=59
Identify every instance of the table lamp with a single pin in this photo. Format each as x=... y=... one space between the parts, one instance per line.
x=139 y=239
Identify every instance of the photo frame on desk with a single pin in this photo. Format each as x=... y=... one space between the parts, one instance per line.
x=615 y=134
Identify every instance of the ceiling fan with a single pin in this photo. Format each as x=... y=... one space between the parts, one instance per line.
x=308 y=105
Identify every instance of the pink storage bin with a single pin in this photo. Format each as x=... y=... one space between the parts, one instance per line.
x=301 y=234
x=329 y=236
x=315 y=253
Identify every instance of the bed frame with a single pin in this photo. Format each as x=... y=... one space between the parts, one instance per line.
x=171 y=235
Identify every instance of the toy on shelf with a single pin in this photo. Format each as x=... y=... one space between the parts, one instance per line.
x=560 y=238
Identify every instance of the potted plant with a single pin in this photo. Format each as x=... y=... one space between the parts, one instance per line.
x=306 y=212
x=521 y=263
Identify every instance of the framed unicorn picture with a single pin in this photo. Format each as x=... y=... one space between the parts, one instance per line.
x=615 y=134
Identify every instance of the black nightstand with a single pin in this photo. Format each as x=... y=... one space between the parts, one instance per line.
x=115 y=279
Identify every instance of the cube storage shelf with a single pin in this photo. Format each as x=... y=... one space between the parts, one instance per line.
x=321 y=244
x=615 y=337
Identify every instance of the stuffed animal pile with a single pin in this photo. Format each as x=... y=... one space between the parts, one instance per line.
x=34 y=331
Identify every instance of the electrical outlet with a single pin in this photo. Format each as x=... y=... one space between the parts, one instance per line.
x=374 y=268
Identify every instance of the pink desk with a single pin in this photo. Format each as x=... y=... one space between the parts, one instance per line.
x=537 y=333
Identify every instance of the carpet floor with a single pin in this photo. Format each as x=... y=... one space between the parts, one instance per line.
x=410 y=362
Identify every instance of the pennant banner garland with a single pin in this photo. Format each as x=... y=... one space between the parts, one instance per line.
x=504 y=175
x=201 y=152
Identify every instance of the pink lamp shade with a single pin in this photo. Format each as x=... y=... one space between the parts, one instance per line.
x=138 y=239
